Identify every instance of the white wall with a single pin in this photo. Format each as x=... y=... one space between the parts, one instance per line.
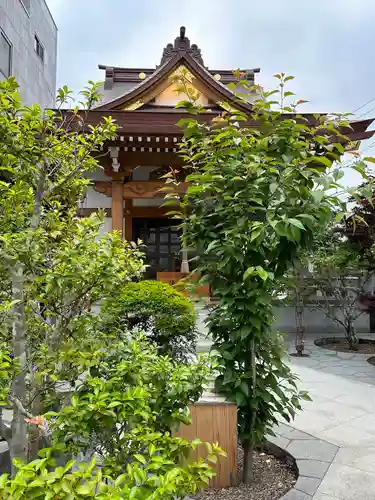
x=107 y=226
x=96 y=200
x=98 y=175
x=314 y=321
x=37 y=79
x=117 y=90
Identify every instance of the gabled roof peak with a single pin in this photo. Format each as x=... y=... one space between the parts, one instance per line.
x=182 y=44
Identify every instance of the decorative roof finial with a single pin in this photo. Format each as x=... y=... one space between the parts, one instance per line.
x=182 y=45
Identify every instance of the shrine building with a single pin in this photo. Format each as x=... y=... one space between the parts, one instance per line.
x=142 y=102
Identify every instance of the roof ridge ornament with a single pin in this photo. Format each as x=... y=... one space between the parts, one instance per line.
x=182 y=44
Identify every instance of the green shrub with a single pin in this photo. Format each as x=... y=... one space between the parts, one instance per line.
x=156 y=308
x=122 y=412
x=142 y=480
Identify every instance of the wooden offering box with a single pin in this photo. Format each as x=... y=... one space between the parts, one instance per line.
x=215 y=421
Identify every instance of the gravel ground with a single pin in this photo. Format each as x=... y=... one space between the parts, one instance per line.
x=343 y=346
x=272 y=479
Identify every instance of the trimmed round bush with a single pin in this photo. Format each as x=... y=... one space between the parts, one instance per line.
x=165 y=315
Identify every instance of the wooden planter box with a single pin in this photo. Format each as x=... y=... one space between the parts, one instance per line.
x=214 y=421
x=174 y=277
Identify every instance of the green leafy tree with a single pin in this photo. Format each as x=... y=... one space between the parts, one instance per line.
x=158 y=309
x=54 y=266
x=340 y=276
x=42 y=480
x=121 y=418
x=358 y=227
x=260 y=185
x=130 y=395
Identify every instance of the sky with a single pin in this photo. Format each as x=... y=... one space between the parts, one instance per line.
x=328 y=45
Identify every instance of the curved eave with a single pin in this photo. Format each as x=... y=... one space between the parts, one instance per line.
x=358 y=130
x=165 y=123
x=220 y=91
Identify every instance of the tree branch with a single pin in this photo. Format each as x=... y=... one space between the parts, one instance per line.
x=20 y=407
x=39 y=195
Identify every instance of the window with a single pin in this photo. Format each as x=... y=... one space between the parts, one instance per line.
x=5 y=55
x=26 y=5
x=39 y=49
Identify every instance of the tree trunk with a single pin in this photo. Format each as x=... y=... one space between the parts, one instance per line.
x=18 y=443
x=351 y=336
x=34 y=437
x=248 y=461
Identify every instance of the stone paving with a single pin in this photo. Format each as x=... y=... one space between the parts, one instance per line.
x=342 y=413
x=313 y=458
x=348 y=365
x=340 y=421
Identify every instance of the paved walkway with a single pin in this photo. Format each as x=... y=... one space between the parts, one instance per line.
x=342 y=413
x=341 y=416
x=348 y=365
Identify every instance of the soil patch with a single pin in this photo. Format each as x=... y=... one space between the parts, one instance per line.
x=273 y=477
x=340 y=344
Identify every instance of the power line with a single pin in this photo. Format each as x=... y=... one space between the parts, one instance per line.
x=363 y=105
x=350 y=160
x=367 y=112
x=372 y=145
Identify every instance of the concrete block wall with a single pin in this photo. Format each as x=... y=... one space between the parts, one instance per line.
x=314 y=321
x=20 y=24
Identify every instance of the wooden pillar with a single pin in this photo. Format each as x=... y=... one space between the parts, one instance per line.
x=117 y=190
x=118 y=205
x=129 y=219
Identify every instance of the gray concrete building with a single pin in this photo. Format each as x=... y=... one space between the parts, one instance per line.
x=28 y=47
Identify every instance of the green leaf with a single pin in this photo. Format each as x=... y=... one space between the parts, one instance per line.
x=240 y=399
x=273 y=187
x=339 y=216
x=140 y=458
x=318 y=195
x=321 y=159
x=227 y=355
x=83 y=489
x=262 y=273
x=245 y=331
x=66 y=485
x=245 y=388
x=360 y=167
x=297 y=223
x=255 y=234
x=250 y=271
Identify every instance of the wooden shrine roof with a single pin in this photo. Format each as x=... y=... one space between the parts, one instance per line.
x=164 y=123
x=180 y=55
x=137 y=117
